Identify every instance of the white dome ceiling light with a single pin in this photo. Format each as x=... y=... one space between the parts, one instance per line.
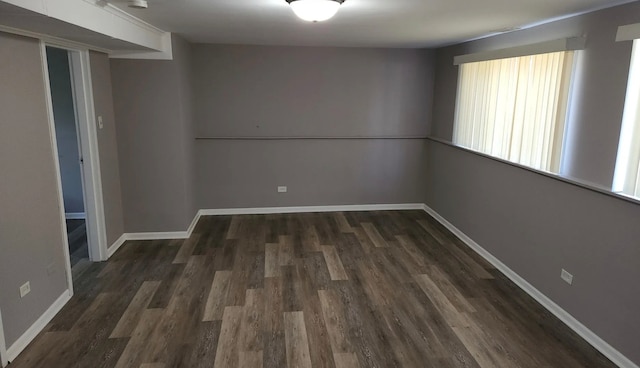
x=315 y=10
x=138 y=4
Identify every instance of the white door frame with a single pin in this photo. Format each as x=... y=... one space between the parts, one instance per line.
x=87 y=135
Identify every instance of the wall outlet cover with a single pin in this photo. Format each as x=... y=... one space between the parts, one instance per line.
x=566 y=276
x=25 y=289
x=282 y=189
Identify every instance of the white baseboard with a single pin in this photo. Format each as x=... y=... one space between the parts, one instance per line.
x=145 y=236
x=153 y=236
x=75 y=216
x=607 y=350
x=116 y=245
x=196 y=218
x=14 y=350
x=157 y=236
x=308 y=209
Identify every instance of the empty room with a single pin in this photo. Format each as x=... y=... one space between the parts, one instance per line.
x=319 y=183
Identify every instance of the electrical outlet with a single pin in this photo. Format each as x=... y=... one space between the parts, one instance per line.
x=566 y=276
x=100 y=122
x=282 y=189
x=25 y=289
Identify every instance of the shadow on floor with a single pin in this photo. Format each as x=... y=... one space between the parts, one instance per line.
x=78 y=245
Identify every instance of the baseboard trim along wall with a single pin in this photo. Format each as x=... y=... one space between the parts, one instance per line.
x=607 y=350
x=116 y=245
x=14 y=350
x=75 y=216
x=145 y=236
x=158 y=236
x=309 y=209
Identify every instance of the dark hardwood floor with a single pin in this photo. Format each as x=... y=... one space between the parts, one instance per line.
x=365 y=289
x=78 y=245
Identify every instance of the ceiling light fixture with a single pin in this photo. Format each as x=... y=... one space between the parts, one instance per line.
x=315 y=10
x=138 y=4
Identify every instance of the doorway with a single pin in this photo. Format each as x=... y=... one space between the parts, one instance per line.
x=69 y=156
x=74 y=139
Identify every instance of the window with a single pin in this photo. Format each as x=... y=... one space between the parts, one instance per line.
x=627 y=174
x=515 y=108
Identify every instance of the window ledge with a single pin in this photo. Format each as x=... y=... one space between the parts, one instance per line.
x=575 y=182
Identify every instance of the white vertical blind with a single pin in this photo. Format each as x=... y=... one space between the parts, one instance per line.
x=627 y=174
x=515 y=108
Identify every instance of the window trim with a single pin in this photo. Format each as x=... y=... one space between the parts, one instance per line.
x=564 y=44
x=629 y=32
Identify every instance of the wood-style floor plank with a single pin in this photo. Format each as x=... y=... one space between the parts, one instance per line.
x=346 y=360
x=335 y=321
x=285 y=251
x=334 y=264
x=186 y=249
x=373 y=234
x=271 y=260
x=131 y=355
x=343 y=224
x=227 y=355
x=251 y=329
x=153 y=365
x=214 y=308
x=251 y=359
x=324 y=290
x=132 y=315
x=311 y=240
x=296 y=340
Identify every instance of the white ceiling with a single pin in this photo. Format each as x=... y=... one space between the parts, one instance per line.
x=360 y=23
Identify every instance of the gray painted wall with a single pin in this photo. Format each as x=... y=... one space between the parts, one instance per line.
x=184 y=64
x=237 y=174
x=161 y=106
x=155 y=141
x=107 y=146
x=535 y=224
x=261 y=91
x=31 y=238
x=311 y=91
x=66 y=134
